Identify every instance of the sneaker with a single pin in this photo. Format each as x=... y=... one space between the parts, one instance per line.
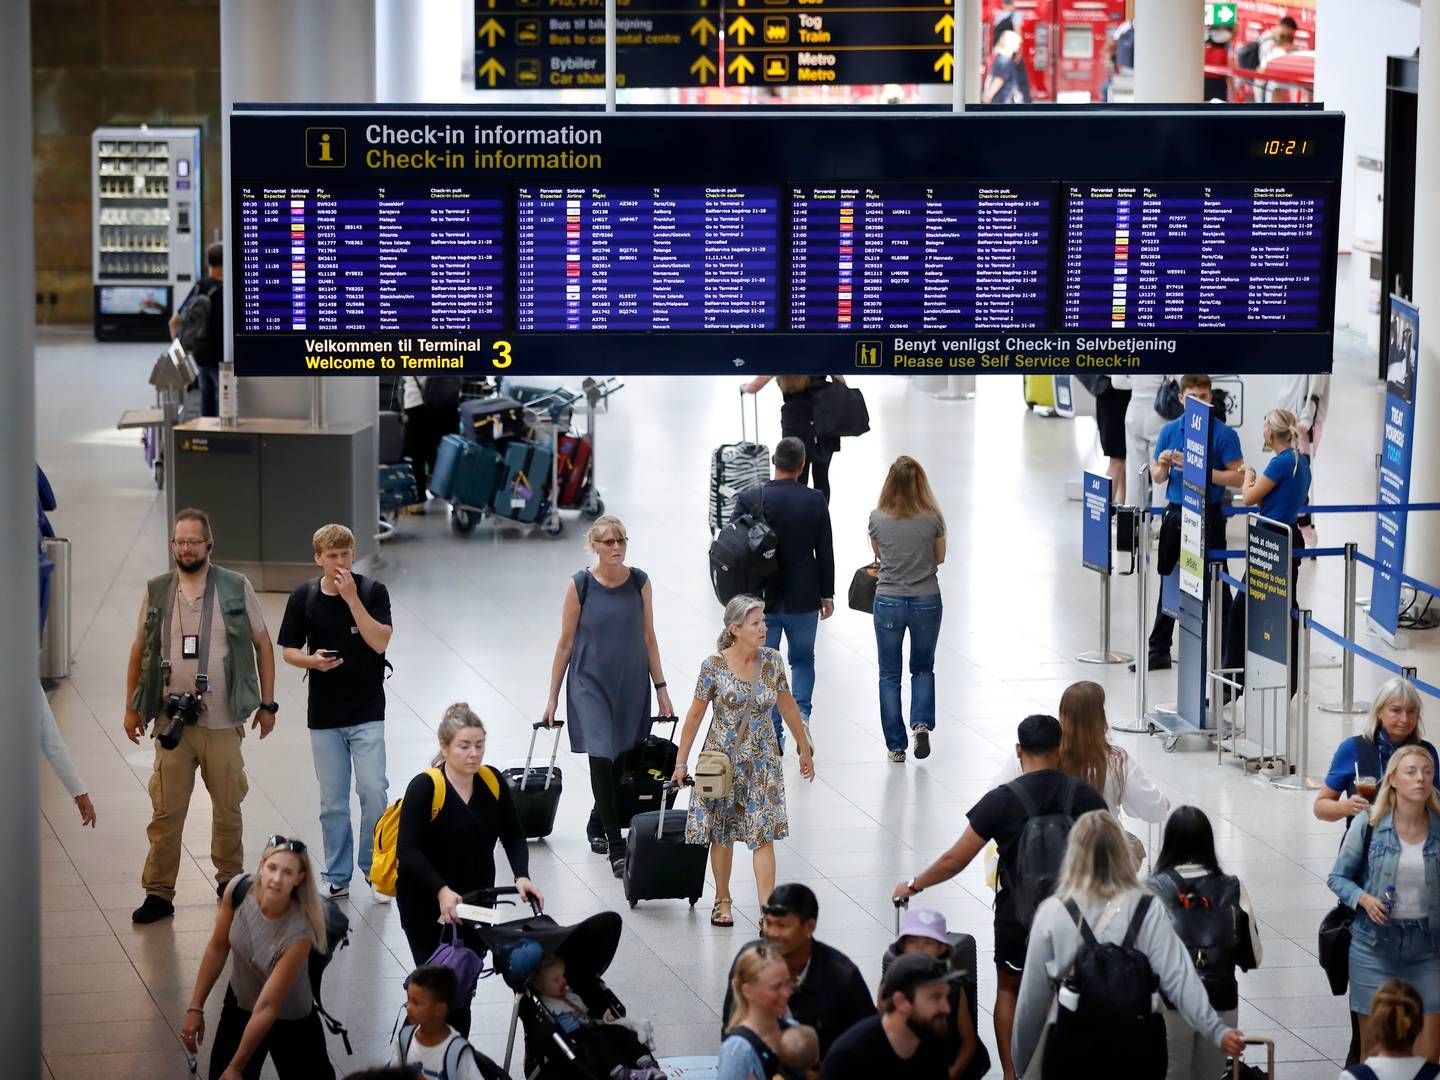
x=922 y=743
x=152 y=910
x=897 y=756
x=337 y=892
x=377 y=895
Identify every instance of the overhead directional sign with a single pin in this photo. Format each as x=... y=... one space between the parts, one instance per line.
x=560 y=44
x=1219 y=14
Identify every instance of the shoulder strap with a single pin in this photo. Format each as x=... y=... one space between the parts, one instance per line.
x=638 y=578
x=1137 y=920
x=1072 y=788
x=1026 y=803
x=1428 y=1071
x=407 y=1036
x=1364 y=1072
x=1080 y=924
x=438 y=799
x=312 y=592
x=454 y=1054
x=492 y=780
x=582 y=586
x=237 y=894
x=768 y=1057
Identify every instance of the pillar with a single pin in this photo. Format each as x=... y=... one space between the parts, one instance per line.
x=1169 y=52
x=19 y=641
x=1422 y=543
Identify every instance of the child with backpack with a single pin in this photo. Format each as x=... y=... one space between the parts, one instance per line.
x=1212 y=915
x=1101 y=951
x=1397 y=1017
x=427 y=1045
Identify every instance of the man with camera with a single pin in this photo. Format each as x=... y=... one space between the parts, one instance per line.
x=201 y=663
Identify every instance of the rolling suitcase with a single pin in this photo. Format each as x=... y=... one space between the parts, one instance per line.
x=390 y=441
x=477 y=476
x=1039 y=391
x=574 y=470
x=492 y=420
x=537 y=791
x=644 y=768
x=522 y=494
x=736 y=467
x=659 y=864
x=447 y=461
x=398 y=488
x=964 y=958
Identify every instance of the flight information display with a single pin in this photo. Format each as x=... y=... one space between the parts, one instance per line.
x=647 y=258
x=897 y=257
x=1194 y=256
x=378 y=258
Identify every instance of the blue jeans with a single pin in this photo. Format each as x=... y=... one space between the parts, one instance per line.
x=893 y=616
x=799 y=629
x=334 y=749
x=209 y=379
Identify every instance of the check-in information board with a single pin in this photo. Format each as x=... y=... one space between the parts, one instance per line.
x=696 y=244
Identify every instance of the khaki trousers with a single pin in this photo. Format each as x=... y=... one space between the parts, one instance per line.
x=216 y=752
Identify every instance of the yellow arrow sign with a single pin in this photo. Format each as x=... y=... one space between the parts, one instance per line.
x=740 y=67
x=946 y=27
x=490 y=29
x=703 y=68
x=703 y=28
x=740 y=27
x=491 y=70
x=945 y=65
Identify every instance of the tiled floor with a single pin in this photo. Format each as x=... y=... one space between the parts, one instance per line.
x=475 y=620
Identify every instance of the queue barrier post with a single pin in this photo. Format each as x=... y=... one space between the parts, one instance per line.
x=1214 y=695
x=1104 y=654
x=1297 y=741
x=1347 y=705
x=1140 y=725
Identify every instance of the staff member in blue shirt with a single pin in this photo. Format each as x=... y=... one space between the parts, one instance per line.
x=1168 y=469
x=1279 y=492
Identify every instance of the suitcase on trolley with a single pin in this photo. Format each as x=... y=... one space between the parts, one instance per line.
x=398 y=488
x=659 y=864
x=478 y=476
x=447 y=460
x=537 y=790
x=527 y=479
x=644 y=768
x=574 y=469
x=390 y=438
x=492 y=420
x=736 y=467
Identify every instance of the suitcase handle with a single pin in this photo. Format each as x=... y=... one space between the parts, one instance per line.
x=538 y=724
x=756 y=398
x=673 y=721
x=901 y=904
x=554 y=749
x=689 y=781
x=1256 y=1040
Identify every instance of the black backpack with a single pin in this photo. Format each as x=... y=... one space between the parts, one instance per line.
x=1206 y=915
x=1247 y=56
x=743 y=555
x=194 y=329
x=1105 y=1002
x=1035 y=868
x=441 y=391
x=337 y=936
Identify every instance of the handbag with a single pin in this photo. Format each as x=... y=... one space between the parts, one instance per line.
x=862 y=588
x=714 y=771
x=1334 y=940
x=839 y=411
x=1167 y=399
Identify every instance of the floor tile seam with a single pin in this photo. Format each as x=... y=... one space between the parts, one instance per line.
x=79 y=643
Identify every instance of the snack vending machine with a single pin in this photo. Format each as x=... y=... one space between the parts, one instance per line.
x=147 y=247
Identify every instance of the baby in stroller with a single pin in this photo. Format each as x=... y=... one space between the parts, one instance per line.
x=613 y=1047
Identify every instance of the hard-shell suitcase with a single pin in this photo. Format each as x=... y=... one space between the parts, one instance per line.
x=644 y=768
x=478 y=476
x=964 y=958
x=390 y=441
x=1039 y=391
x=398 y=488
x=527 y=478
x=736 y=467
x=574 y=469
x=659 y=864
x=494 y=419
x=536 y=791
x=447 y=460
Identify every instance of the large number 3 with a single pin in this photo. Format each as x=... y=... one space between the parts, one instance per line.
x=502 y=357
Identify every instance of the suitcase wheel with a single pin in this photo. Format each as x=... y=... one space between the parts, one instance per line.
x=462 y=521
x=634 y=902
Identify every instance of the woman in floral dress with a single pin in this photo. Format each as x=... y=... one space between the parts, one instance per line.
x=744 y=680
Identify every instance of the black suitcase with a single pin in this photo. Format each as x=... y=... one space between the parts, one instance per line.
x=659 y=864
x=644 y=768
x=390 y=440
x=536 y=791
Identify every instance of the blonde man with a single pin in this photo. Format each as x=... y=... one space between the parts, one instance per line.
x=337 y=628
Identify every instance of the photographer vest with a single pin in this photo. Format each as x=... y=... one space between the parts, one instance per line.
x=242 y=680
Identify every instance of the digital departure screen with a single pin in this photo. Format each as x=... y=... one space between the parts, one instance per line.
x=647 y=258
x=1194 y=256
x=398 y=257
x=912 y=257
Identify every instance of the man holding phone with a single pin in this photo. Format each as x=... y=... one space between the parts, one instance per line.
x=343 y=619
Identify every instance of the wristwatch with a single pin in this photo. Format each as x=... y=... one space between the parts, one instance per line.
x=272 y=707
x=913 y=887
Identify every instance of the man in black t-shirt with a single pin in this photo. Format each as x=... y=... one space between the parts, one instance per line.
x=337 y=628
x=1000 y=816
x=907 y=1040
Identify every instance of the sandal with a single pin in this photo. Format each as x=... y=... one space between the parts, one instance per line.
x=717 y=919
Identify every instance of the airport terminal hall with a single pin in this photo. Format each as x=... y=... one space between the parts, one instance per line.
x=720 y=539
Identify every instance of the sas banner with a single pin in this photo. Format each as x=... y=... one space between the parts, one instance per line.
x=1398 y=433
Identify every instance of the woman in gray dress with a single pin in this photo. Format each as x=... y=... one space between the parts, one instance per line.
x=608 y=649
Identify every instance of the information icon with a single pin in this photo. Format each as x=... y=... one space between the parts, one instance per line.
x=325 y=147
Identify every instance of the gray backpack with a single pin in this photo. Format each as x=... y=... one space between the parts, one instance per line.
x=194 y=329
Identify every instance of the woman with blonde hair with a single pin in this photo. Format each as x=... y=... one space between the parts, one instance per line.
x=267 y=925
x=1099 y=898
x=1394 y=722
x=1386 y=872
x=907 y=534
x=608 y=656
x=744 y=681
x=761 y=987
x=1397 y=1016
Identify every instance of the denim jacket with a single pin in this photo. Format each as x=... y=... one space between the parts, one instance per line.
x=1384 y=859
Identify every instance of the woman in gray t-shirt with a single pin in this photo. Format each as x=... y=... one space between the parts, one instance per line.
x=268 y=924
x=907 y=531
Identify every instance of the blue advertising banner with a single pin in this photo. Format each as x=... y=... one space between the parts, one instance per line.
x=1395 y=454
x=1095 y=530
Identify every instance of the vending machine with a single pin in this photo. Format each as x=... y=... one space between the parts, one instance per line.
x=147 y=247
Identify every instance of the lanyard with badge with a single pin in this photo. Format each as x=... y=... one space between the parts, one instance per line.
x=194 y=646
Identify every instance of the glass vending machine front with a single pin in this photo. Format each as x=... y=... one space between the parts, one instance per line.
x=147 y=241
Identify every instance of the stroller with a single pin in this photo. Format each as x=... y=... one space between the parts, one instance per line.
x=516 y=949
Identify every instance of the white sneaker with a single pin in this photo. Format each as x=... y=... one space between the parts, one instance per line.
x=376 y=894
x=337 y=892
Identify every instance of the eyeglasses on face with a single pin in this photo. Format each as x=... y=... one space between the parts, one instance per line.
x=284 y=843
x=614 y=541
x=189 y=543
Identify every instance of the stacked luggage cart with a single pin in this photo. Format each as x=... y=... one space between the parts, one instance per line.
x=520 y=458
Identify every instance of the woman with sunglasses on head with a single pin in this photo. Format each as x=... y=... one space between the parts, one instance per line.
x=447 y=853
x=761 y=986
x=608 y=656
x=269 y=1010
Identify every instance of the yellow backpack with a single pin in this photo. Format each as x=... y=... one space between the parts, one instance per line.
x=385 y=862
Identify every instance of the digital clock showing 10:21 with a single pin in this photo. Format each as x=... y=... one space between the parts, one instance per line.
x=1285 y=148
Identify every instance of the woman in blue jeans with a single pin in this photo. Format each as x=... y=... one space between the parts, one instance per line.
x=907 y=531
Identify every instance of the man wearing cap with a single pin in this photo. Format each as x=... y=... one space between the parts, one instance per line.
x=1001 y=816
x=922 y=932
x=829 y=992
x=907 y=1039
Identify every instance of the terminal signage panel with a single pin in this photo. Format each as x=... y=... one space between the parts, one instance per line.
x=784 y=242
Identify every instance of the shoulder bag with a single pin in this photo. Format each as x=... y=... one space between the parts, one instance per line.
x=714 y=771
x=1334 y=943
x=863 y=586
x=1167 y=399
